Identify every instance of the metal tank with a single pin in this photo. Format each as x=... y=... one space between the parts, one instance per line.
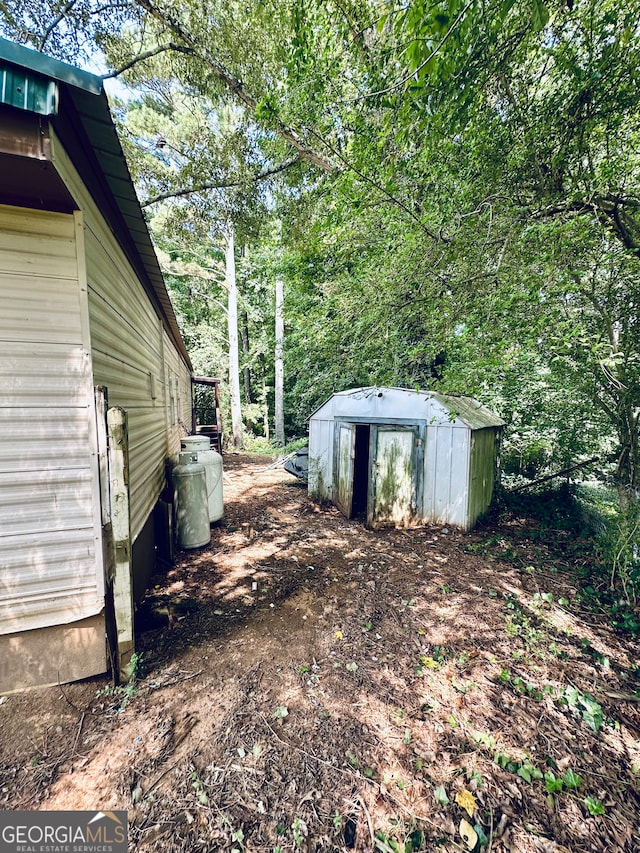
x=190 y=502
x=212 y=461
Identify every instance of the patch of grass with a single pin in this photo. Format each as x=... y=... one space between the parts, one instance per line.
x=258 y=444
x=122 y=693
x=553 y=508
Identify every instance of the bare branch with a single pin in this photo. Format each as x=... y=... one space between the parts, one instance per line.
x=147 y=55
x=55 y=23
x=181 y=193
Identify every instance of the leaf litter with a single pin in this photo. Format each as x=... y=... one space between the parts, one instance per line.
x=313 y=685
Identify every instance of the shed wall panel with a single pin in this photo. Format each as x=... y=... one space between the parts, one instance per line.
x=445 y=475
x=130 y=350
x=483 y=455
x=320 y=458
x=50 y=542
x=452 y=471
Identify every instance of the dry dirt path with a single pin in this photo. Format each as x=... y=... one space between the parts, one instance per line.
x=312 y=685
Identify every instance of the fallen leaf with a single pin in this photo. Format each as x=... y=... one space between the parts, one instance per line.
x=466 y=801
x=440 y=795
x=468 y=834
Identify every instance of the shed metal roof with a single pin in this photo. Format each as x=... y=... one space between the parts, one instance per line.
x=466 y=409
x=473 y=413
x=82 y=108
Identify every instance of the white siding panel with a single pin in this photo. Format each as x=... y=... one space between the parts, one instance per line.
x=40 y=309
x=18 y=221
x=321 y=458
x=37 y=374
x=40 y=439
x=146 y=453
x=127 y=349
x=179 y=373
x=118 y=298
x=44 y=580
x=34 y=502
x=50 y=557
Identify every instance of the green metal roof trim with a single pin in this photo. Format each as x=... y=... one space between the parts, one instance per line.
x=27 y=91
x=24 y=57
x=473 y=413
x=82 y=95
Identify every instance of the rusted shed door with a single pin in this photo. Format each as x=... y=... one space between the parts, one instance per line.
x=345 y=450
x=393 y=472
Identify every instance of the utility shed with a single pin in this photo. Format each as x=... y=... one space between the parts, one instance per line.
x=95 y=380
x=398 y=457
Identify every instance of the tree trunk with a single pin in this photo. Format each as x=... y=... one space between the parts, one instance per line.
x=279 y=386
x=232 y=326
x=265 y=402
x=625 y=553
x=244 y=334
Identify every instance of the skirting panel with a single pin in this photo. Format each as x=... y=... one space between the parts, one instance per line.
x=49 y=656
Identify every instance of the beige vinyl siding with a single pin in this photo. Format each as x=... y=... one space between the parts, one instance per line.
x=177 y=388
x=129 y=346
x=50 y=541
x=125 y=337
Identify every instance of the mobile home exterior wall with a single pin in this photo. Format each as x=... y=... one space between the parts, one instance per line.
x=131 y=352
x=82 y=304
x=51 y=569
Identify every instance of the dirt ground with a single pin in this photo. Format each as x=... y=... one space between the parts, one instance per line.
x=308 y=684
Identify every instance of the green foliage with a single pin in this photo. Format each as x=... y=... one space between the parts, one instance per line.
x=584 y=706
x=594 y=806
x=199 y=789
x=440 y=795
x=121 y=694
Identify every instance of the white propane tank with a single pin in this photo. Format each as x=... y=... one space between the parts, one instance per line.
x=190 y=502
x=212 y=461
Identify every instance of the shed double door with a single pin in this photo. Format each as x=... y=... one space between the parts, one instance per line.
x=376 y=471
